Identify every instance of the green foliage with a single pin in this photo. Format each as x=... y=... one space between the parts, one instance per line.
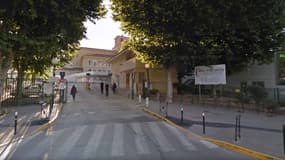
x=232 y=32
x=153 y=91
x=36 y=31
x=124 y=45
x=271 y=105
x=244 y=99
x=257 y=93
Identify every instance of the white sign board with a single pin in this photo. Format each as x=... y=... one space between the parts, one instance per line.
x=48 y=88
x=62 y=85
x=210 y=75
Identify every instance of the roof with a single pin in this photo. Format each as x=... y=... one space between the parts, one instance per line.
x=119 y=54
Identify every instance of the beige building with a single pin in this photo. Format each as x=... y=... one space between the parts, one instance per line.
x=131 y=74
x=127 y=72
x=90 y=59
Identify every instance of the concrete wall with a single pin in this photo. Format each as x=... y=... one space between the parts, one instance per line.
x=266 y=73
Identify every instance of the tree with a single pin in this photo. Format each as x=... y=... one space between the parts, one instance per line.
x=235 y=32
x=32 y=32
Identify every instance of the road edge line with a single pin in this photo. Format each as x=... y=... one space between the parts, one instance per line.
x=223 y=144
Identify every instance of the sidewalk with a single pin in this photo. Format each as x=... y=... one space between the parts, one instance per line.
x=259 y=132
x=30 y=120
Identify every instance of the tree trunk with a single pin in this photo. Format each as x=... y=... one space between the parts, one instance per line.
x=169 y=85
x=5 y=63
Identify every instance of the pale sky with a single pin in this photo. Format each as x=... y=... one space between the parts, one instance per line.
x=101 y=35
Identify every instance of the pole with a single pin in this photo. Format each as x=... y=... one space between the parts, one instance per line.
x=181 y=115
x=199 y=93
x=52 y=95
x=140 y=98
x=16 y=120
x=166 y=111
x=146 y=102
x=236 y=128
x=204 y=124
x=284 y=138
x=239 y=117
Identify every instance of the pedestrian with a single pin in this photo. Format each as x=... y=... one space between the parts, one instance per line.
x=107 y=89
x=73 y=92
x=102 y=87
x=114 y=86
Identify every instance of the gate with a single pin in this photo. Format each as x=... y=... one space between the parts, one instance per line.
x=31 y=92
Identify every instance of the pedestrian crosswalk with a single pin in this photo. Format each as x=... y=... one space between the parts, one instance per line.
x=118 y=140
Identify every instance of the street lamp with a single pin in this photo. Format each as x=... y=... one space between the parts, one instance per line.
x=54 y=61
x=147 y=71
x=147 y=84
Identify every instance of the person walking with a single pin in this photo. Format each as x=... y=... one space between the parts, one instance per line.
x=73 y=92
x=107 y=89
x=114 y=86
x=102 y=87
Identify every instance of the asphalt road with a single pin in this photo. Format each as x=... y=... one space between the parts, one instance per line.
x=99 y=127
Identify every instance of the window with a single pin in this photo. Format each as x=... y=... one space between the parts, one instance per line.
x=258 y=83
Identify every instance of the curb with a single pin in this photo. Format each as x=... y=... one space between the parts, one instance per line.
x=223 y=144
x=40 y=128
x=48 y=124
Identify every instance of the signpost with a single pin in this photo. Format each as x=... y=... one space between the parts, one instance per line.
x=210 y=75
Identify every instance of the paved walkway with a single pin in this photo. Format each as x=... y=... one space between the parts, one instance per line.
x=259 y=131
x=30 y=118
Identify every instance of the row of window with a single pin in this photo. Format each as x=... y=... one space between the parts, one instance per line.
x=98 y=64
x=99 y=70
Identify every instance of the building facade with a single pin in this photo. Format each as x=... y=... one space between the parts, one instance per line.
x=131 y=74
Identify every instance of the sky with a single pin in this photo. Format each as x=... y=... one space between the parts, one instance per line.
x=101 y=35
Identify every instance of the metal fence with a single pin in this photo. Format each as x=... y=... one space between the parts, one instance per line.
x=31 y=92
x=224 y=95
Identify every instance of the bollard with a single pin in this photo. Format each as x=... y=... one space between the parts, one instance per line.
x=204 y=124
x=146 y=102
x=166 y=110
x=140 y=98
x=236 y=125
x=284 y=138
x=239 y=117
x=16 y=119
x=181 y=115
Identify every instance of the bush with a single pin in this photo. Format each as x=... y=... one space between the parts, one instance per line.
x=153 y=91
x=271 y=105
x=257 y=93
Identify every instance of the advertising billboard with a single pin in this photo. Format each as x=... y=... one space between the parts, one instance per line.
x=210 y=75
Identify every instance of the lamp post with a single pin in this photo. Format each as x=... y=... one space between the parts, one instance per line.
x=147 y=84
x=54 y=61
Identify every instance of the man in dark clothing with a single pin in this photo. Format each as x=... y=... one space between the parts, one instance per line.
x=102 y=87
x=107 y=89
x=73 y=92
x=114 y=86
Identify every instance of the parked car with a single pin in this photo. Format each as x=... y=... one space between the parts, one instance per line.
x=31 y=91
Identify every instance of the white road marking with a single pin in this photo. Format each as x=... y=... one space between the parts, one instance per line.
x=208 y=144
x=94 y=141
x=76 y=114
x=140 y=141
x=70 y=142
x=160 y=138
x=45 y=156
x=181 y=137
x=118 y=141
